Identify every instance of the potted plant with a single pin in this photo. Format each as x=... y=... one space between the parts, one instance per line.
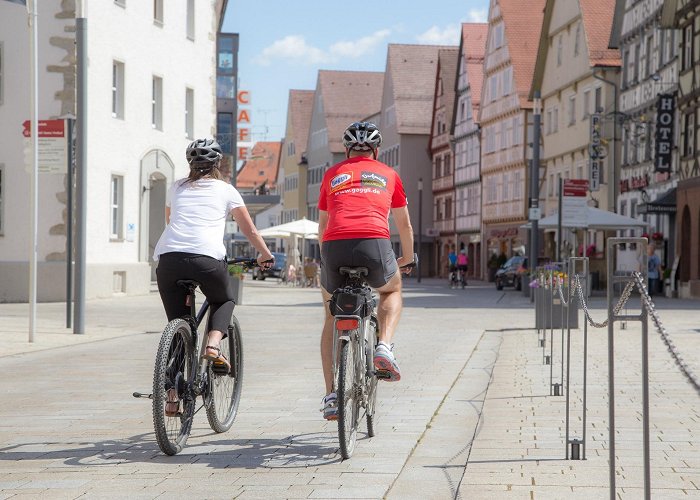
x=236 y=273
x=492 y=267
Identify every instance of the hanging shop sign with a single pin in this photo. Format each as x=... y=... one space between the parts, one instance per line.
x=664 y=132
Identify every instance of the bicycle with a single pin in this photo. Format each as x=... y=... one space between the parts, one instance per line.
x=355 y=334
x=181 y=371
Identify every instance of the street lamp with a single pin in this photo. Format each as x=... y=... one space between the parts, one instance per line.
x=420 y=225
x=534 y=208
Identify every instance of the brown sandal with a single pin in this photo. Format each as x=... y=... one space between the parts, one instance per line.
x=218 y=359
x=172 y=405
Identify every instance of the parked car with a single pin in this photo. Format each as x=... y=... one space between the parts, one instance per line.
x=512 y=273
x=276 y=271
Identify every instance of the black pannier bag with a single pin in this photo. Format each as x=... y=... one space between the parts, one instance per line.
x=358 y=303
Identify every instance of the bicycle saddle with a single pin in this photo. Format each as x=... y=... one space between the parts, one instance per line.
x=354 y=272
x=188 y=284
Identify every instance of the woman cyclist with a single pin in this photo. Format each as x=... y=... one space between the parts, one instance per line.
x=192 y=244
x=462 y=265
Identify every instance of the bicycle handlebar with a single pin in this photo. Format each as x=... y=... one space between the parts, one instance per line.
x=247 y=262
x=411 y=265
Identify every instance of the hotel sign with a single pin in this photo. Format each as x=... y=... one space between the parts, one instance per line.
x=595 y=152
x=664 y=132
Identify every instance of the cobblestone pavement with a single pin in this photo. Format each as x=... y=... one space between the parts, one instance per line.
x=471 y=418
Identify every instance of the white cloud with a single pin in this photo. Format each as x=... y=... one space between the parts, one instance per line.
x=292 y=47
x=295 y=48
x=359 y=47
x=449 y=35
x=478 y=15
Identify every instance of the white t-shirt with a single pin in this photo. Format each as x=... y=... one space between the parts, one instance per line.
x=198 y=213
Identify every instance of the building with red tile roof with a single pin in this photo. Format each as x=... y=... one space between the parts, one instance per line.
x=504 y=115
x=258 y=174
x=406 y=117
x=340 y=98
x=467 y=140
x=442 y=157
x=293 y=158
x=573 y=55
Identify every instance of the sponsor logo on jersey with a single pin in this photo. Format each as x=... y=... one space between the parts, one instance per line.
x=373 y=179
x=341 y=181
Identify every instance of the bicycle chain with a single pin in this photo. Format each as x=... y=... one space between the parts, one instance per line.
x=651 y=310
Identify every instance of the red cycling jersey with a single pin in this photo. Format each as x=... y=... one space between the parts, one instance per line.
x=358 y=194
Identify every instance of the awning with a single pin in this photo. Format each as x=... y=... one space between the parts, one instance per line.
x=664 y=204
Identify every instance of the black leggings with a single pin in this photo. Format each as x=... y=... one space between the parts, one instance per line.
x=213 y=278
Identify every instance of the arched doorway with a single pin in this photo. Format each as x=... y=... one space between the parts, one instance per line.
x=686 y=239
x=157 y=173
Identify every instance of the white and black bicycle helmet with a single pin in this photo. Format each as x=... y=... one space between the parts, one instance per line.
x=203 y=153
x=362 y=136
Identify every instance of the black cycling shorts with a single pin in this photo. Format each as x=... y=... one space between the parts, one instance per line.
x=375 y=254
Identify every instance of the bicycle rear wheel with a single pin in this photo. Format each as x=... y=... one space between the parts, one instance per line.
x=371 y=378
x=173 y=372
x=348 y=405
x=225 y=389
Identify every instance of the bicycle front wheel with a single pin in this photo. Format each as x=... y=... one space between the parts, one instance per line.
x=173 y=406
x=348 y=404
x=225 y=389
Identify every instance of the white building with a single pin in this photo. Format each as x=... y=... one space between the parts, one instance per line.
x=151 y=89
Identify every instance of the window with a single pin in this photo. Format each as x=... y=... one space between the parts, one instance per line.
x=116 y=207
x=158 y=12
x=291 y=150
x=555 y=119
x=224 y=132
x=2 y=196
x=689 y=133
x=626 y=68
x=577 y=40
x=687 y=47
x=157 y=103
x=636 y=72
x=598 y=100
x=572 y=110
x=647 y=56
x=586 y=103
x=118 y=89
x=189 y=113
x=662 y=48
x=560 y=49
x=497 y=35
x=190 y=19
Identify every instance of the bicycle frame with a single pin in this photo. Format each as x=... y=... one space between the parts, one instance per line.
x=360 y=335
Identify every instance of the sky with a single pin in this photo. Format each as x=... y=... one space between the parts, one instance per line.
x=283 y=44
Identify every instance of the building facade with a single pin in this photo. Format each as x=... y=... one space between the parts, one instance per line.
x=684 y=15
x=144 y=110
x=293 y=157
x=505 y=118
x=340 y=98
x=648 y=93
x=573 y=54
x=440 y=145
x=406 y=111
x=467 y=140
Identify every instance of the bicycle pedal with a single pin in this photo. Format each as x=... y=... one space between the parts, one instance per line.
x=382 y=374
x=219 y=369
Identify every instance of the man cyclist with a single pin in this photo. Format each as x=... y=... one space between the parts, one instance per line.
x=452 y=266
x=356 y=198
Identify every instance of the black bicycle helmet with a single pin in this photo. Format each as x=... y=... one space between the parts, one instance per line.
x=203 y=153
x=362 y=136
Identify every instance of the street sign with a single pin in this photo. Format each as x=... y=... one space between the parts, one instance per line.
x=535 y=214
x=574 y=204
x=53 y=146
